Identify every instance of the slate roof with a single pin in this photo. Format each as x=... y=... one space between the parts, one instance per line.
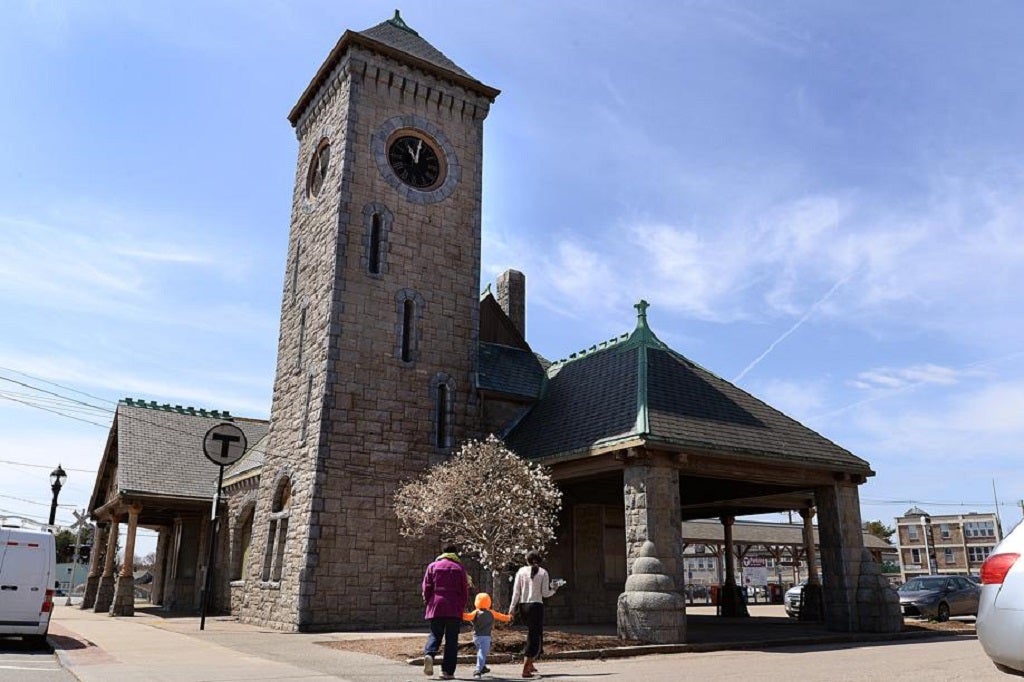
x=397 y=34
x=637 y=387
x=759 y=533
x=509 y=371
x=395 y=39
x=250 y=465
x=160 y=448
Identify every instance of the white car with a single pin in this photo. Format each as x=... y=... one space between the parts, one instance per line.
x=793 y=598
x=1000 y=623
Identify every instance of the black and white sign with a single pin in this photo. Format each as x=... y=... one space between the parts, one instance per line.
x=224 y=444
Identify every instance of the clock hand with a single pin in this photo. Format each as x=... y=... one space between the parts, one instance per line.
x=413 y=155
x=419 y=148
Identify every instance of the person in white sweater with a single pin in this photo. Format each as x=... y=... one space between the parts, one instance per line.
x=531 y=587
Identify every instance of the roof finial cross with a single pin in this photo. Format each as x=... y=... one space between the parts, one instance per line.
x=398 y=22
x=641 y=311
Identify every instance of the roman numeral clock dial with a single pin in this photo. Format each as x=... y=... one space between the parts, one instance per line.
x=415 y=161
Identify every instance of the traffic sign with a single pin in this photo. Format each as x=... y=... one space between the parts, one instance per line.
x=224 y=444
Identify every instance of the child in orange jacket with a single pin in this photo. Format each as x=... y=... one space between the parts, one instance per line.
x=483 y=620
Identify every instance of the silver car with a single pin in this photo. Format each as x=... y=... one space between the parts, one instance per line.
x=938 y=597
x=1000 y=623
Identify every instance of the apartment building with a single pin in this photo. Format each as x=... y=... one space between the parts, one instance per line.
x=955 y=544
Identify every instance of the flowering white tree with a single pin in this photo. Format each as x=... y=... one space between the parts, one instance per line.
x=494 y=504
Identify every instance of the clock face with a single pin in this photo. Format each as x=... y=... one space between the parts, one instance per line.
x=415 y=161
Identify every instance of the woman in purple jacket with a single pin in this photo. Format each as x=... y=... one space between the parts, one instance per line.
x=445 y=593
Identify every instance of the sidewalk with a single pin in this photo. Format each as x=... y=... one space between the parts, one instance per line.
x=96 y=647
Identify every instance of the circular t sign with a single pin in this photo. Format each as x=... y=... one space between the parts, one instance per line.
x=224 y=444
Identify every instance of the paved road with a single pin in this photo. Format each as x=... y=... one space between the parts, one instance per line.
x=20 y=662
x=934 y=660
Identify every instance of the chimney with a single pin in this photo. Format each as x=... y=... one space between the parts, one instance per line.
x=512 y=298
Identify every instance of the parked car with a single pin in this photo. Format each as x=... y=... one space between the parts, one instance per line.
x=1000 y=623
x=793 y=598
x=938 y=597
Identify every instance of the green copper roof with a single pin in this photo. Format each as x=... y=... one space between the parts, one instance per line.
x=635 y=388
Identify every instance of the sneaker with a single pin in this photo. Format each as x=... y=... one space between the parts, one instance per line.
x=485 y=670
x=478 y=674
x=428 y=664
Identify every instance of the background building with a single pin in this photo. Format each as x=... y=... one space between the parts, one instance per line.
x=955 y=544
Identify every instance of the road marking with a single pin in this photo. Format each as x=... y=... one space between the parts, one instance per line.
x=22 y=667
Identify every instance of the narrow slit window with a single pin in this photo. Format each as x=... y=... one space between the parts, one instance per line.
x=305 y=414
x=408 y=310
x=442 y=415
x=295 y=271
x=375 y=238
x=302 y=339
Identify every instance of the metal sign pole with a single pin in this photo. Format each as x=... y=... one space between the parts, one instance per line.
x=213 y=546
x=223 y=444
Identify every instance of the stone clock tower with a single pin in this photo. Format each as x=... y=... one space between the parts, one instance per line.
x=378 y=336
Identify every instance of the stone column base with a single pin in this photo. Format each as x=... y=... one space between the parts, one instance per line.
x=104 y=594
x=124 y=597
x=652 y=617
x=812 y=604
x=92 y=584
x=730 y=599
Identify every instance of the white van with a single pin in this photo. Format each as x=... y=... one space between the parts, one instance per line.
x=28 y=566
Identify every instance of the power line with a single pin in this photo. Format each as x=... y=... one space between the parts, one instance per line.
x=45 y=466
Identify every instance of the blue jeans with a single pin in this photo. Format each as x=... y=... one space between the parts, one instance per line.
x=448 y=630
x=483 y=647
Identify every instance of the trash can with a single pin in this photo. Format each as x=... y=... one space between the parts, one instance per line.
x=774 y=593
x=714 y=595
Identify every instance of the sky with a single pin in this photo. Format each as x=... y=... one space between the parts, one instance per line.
x=822 y=202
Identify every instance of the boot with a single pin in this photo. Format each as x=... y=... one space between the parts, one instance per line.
x=527 y=667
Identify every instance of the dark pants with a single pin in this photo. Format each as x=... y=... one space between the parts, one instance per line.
x=533 y=614
x=448 y=630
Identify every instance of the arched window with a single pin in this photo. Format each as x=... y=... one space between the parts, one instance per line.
x=442 y=390
x=410 y=312
x=277 y=534
x=374 y=257
x=296 y=262
x=243 y=538
x=302 y=339
x=377 y=221
x=304 y=431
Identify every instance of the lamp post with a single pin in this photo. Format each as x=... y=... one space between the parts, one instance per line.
x=57 y=478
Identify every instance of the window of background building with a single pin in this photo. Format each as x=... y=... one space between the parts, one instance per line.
x=912 y=532
x=978 y=553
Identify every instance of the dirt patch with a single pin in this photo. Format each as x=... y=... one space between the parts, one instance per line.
x=511 y=640
x=503 y=641
x=952 y=626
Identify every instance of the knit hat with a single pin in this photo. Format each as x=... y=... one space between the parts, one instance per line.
x=482 y=601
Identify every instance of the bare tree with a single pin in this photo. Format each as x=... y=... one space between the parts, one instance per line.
x=496 y=505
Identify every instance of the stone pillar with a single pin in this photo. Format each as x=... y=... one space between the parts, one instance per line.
x=857 y=597
x=653 y=519
x=92 y=583
x=160 y=567
x=812 y=605
x=105 y=591
x=124 y=594
x=730 y=595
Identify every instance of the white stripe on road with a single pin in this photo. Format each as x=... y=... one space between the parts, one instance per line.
x=21 y=667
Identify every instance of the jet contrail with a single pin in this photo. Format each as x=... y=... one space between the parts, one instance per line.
x=792 y=329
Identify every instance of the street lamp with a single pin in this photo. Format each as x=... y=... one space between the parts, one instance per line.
x=57 y=478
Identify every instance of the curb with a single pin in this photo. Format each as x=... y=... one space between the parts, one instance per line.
x=650 y=649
